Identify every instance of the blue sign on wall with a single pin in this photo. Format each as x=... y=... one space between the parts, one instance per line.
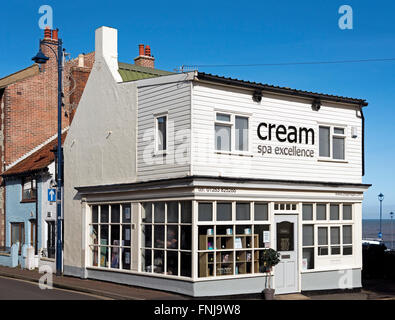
x=51 y=195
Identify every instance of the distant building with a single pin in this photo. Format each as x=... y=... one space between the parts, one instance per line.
x=26 y=188
x=180 y=182
x=28 y=106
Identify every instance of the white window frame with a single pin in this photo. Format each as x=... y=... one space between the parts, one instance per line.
x=156 y=117
x=232 y=125
x=332 y=135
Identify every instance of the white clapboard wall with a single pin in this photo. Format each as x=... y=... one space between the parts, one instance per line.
x=207 y=99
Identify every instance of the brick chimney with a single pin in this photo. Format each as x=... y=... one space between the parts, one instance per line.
x=144 y=59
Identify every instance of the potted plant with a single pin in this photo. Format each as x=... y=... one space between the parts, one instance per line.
x=269 y=258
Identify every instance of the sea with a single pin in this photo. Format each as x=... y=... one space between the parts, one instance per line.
x=371 y=227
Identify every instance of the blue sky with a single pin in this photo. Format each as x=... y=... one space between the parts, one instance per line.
x=226 y=32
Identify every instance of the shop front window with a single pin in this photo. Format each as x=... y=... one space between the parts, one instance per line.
x=110 y=236
x=166 y=241
x=232 y=243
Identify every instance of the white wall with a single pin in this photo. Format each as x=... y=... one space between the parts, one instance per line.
x=99 y=148
x=277 y=110
x=174 y=100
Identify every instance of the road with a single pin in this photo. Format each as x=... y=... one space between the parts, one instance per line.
x=11 y=289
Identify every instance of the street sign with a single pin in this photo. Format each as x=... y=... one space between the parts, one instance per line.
x=51 y=195
x=380 y=235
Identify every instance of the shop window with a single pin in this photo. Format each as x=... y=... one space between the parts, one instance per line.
x=243 y=211
x=322 y=241
x=261 y=212
x=347 y=212
x=110 y=236
x=335 y=240
x=308 y=246
x=224 y=211
x=234 y=248
x=321 y=211
x=334 y=212
x=166 y=243
x=29 y=189
x=332 y=142
x=161 y=133
x=205 y=211
x=347 y=240
x=307 y=212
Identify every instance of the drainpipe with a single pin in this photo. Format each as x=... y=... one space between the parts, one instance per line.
x=362 y=117
x=36 y=240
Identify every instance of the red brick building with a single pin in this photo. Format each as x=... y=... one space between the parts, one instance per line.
x=28 y=106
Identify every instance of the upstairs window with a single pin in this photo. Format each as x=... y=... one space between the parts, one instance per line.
x=161 y=133
x=29 y=189
x=332 y=142
x=229 y=128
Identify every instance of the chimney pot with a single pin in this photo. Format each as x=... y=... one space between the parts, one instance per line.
x=141 y=49
x=147 y=50
x=47 y=33
x=55 y=34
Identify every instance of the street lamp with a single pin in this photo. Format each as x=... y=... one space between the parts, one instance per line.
x=381 y=198
x=40 y=58
x=392 y=232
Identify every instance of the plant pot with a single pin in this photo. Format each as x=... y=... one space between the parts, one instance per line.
x=268 y=294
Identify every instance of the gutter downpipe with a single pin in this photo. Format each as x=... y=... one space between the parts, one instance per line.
x=362 y=117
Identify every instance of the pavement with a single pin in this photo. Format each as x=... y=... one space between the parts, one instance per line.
x=87 y=288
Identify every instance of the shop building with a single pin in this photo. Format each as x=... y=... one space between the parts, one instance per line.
x=179 y=182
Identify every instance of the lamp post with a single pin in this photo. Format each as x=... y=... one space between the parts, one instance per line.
x=40 y=58
x=392 y=232
x=381 y=198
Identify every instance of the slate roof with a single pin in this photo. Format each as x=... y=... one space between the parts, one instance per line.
x=281 y=90
x=37 y=161
x=131 y=72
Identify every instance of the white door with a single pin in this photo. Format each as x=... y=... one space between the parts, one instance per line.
x=286 y=272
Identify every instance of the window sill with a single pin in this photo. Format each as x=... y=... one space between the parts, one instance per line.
x=28 y=200
x=234 y=153
x=331 y=160
x=160 y=154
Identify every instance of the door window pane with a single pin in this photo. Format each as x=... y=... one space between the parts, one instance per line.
x=308 y=235
x=285 y=236
x=222 y=137
x=307 y=212
x=338 y=148
x=224 y=211
x=261 y=212
x=241 y=134
x=347 y=212
x=205 y=211
x=242 y=211
x=334 y=212
x=321 y=211
x=324 y=141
